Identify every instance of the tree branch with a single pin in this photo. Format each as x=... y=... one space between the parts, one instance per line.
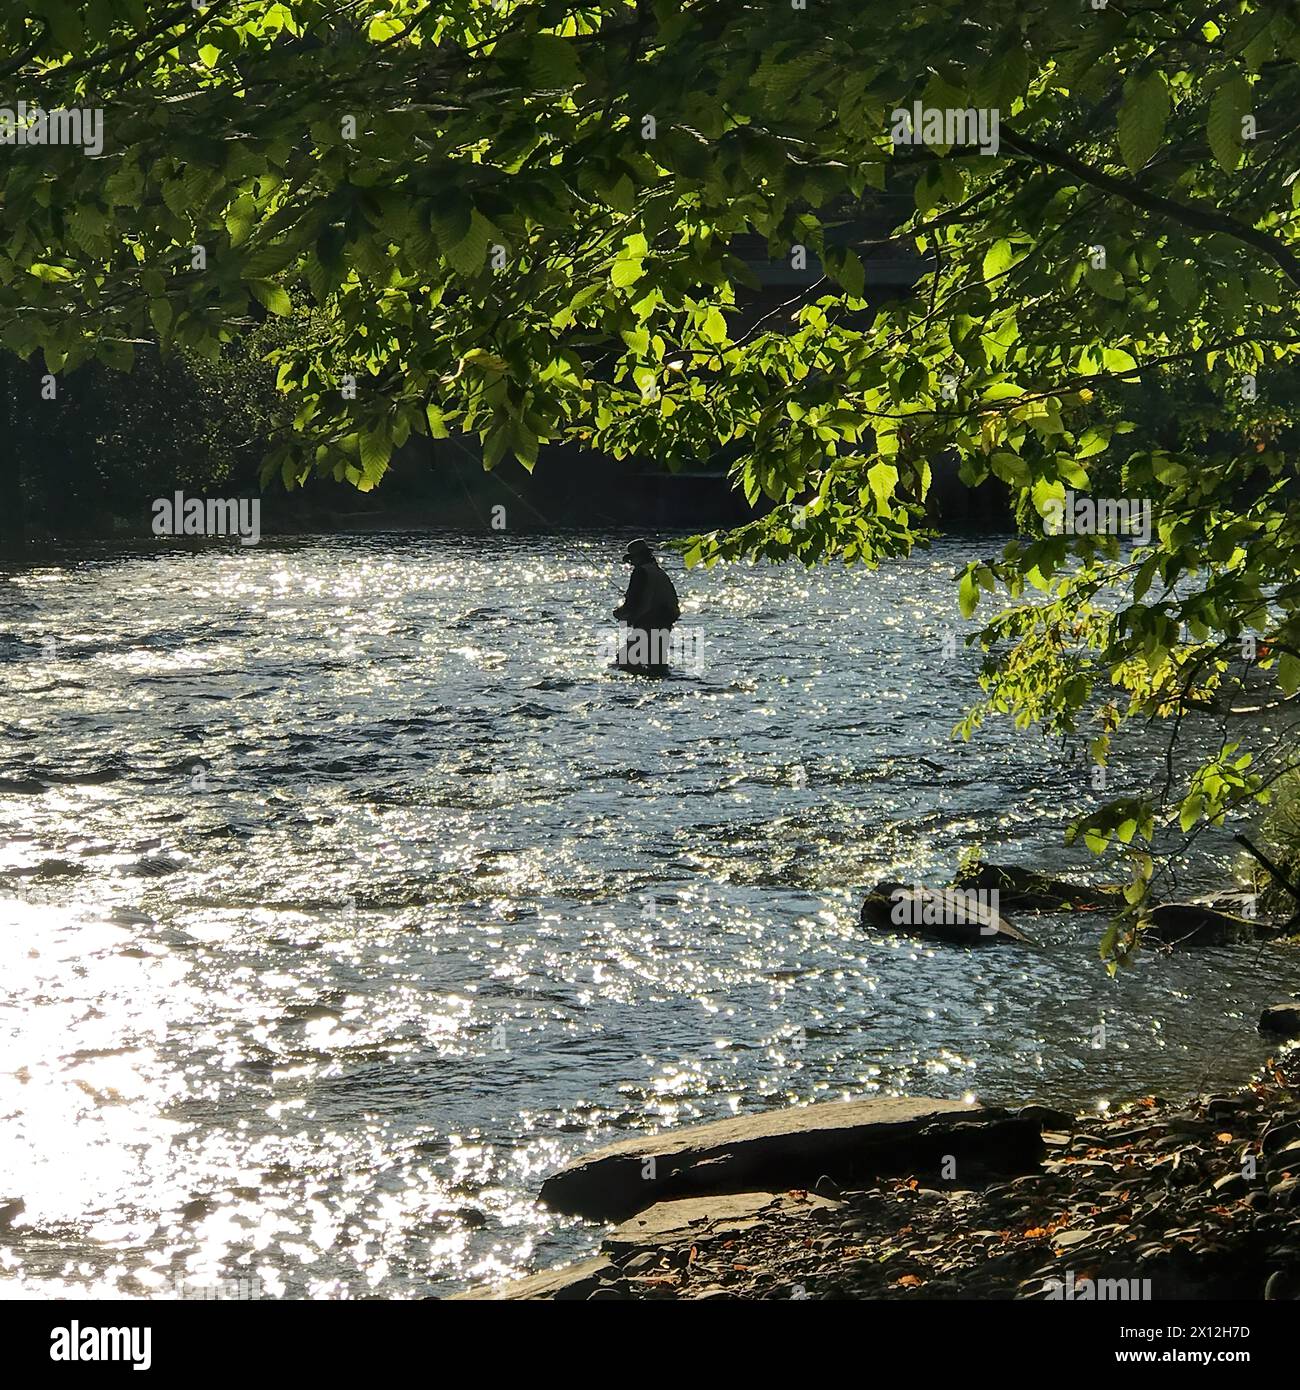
x=1188 y=215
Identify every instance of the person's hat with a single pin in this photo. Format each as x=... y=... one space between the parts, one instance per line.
x=638 y=550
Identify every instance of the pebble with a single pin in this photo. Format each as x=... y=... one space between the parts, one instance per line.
x=1065 y=1239
x=642 y=1263
x=1168 y=1199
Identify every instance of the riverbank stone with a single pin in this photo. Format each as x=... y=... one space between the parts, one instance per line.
x=796 y=1148
x=1281 y=1018
x=692 y=1220
x=571 y=1282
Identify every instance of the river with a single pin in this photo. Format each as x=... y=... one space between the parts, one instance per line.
x=347 y=893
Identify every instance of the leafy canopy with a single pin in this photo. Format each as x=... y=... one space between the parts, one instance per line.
x=519 y=221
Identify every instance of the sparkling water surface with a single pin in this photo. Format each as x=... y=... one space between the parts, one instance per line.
x=346 y=893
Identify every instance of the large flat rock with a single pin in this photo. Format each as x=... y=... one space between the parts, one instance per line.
x=693 y=1220
x=576 y=1281
x=792 y=1148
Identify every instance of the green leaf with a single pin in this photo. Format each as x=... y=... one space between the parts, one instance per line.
x=1117 y=360
x=450 y=218
x=524 y=444
x=1230 y=104
x=376 y=450
x=486 y=361
x=1106 y=282
x=626 y=271
x=272 y=297
x=1142 y=117
x=1288 y=673
x=714 y=327
x=469 y=255
x=1011 y=468
x=968 y=595
x=124 y=188
x=240 y=217
x=852 y=275
x=1184 y=283
x=1046 y=491
x=51 y=274
x=553 y=61
x=1168 y=471
x=882 y=478
x=1260 y=49
x=998 y=259
x=495 y=445
x=160 y=311
x=638 y=339
x=1093 y=441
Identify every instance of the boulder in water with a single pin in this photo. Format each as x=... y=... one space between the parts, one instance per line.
x=961 y=917
x=1035 y=892
x=1281 y=1018
x=1194 y=924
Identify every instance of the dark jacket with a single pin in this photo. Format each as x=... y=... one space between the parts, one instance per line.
x=651 y=600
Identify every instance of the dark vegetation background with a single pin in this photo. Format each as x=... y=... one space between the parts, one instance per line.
x=92 y=463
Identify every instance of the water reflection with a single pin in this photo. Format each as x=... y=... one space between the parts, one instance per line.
x=348 y=894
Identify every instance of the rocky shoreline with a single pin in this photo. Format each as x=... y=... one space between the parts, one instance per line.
x=930 y=1200
x=935 y=1199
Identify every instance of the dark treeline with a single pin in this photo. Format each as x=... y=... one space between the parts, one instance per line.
x=90 y=461
x=87 y=450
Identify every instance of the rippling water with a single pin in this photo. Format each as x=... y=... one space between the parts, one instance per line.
x=349 y=893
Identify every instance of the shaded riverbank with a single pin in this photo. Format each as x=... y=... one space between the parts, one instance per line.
x=1155 y=1201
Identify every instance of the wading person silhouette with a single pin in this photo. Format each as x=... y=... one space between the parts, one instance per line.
x=649 y=609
